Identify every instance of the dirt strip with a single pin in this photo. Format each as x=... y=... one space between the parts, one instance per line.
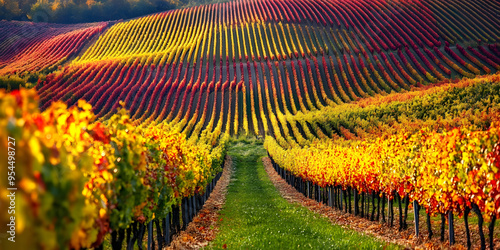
x=376 y=229
x=203 y=228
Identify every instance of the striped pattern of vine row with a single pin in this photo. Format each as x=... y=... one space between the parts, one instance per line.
x=242 y=66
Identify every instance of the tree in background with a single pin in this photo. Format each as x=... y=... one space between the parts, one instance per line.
x=15 y=9
x=78 y=11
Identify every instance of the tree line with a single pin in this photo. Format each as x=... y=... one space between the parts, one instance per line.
x=78 y=11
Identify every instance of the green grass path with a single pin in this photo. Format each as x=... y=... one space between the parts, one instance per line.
x=255 y=216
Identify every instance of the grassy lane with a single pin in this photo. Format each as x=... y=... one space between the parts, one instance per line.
x=255 y=216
